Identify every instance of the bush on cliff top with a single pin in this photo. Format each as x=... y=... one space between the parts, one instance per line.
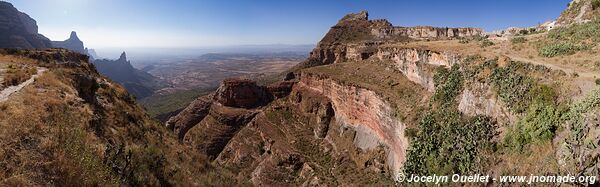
x=518 y=40
x=568 y=40
x=512 y=87
x=559 y=49
x=445 y=141
x=541 y=121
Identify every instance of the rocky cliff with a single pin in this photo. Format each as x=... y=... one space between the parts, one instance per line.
x=18 y=30
x=374 y=100
x=355 y=37
x=72 y=43
x=579 y=11
x=137 y=82
x=85 y=130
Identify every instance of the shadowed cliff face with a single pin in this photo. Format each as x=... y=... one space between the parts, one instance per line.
x=72 y=43
x=137 y=82
x=18 y=30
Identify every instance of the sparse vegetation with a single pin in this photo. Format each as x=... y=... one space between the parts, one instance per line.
x=518 y=40
x=568 y=40
x=447 y=142
x=558 y=49
x=595 y=4
x=157 y=105
x=541 y=121
x=597 y=81
x=486 y=43
x=513 y=88
x=16 y=74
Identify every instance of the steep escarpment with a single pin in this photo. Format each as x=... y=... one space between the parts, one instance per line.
x=374 y=101
x=329 y=108
x=18 y=30
x=355 y=37
x=83 y=129
x=137 y=82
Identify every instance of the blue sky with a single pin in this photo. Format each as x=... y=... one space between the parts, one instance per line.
x=205 y=23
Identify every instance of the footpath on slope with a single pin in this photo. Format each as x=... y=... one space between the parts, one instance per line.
x=4 y=94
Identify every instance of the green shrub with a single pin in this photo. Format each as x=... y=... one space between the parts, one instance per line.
x=597 y=81
x=445 y=141
x=512 y=86
x=486 y=43
x=577 y=33
x=448 y=84
x=523 y=32
x=595 y=4
x=541 y=121
x=518 y=40
x=448 y=143
x=558 y=49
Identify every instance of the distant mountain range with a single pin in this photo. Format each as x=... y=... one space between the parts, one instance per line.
x=19 y=31
x=137 y=82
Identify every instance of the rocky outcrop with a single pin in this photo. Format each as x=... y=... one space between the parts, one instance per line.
x=355 y=37
x=190 y=116
x=241 y=93
x=233 y=93
x=425 y=32
x=578 y=11
x=92 y=53
x=480 y=99
x=418 y=64
x=214 y=132
x=73 y=43
x=18 y=30
x=139 y=83
x=367 y=113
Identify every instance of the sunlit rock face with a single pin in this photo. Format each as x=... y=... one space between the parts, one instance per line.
x=355 y=37
x=369 y=114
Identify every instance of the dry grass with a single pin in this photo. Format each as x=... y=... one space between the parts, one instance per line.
x=540 y=159
x=405 y=96
x=581 y=62
x=16 y=74
x=50 y=136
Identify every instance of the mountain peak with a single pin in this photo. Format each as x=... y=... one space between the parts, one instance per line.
x=73 y=35
x=123 y=56
x=362 y=15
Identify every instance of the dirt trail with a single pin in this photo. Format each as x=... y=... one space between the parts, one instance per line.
x=591 y=75
x=4 y=94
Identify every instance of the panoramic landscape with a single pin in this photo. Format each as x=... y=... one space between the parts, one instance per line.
x=269 y=93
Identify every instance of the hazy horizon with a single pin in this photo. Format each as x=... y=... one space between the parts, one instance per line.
x=136 y=54
x=213 y=23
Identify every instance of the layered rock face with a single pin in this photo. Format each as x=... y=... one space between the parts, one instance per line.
x=241 y=94
x=72 y=43
x=425 y=32
x=298 y=132
x=417 y=64
x=18 y=30
x=236 y=94
x=355 y=37
x=367 y=113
